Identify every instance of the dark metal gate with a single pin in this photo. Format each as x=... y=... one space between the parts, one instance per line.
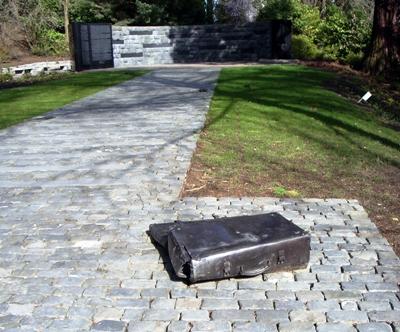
x=92 y=45
x=281 y=39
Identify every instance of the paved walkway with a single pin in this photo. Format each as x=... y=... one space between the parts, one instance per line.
x=79 y=187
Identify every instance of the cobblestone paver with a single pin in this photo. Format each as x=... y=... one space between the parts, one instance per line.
x=79 y=188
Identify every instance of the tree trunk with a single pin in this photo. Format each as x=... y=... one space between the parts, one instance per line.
x=383 y=54
x=66 y=20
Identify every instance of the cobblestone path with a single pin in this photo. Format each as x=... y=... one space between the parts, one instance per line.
x=80 y=186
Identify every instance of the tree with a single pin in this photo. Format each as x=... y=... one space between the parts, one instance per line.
x=30 y=24
x=66 y=19
x=383 y=54
x=209 y=11
x=236 y=11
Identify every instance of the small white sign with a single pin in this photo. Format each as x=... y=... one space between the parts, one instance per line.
x=365 y=97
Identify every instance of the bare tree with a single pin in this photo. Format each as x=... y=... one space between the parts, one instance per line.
x=240 y=11
x=23 y=22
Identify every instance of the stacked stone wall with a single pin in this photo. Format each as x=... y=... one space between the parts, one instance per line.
x=133 y=46
x=37 y=68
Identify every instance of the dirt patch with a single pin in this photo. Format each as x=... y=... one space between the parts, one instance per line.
x=379 y=195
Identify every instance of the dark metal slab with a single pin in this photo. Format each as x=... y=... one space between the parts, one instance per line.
x=231 y=247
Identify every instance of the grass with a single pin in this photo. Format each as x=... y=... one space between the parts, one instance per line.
x=20 y=103
x=276 y=130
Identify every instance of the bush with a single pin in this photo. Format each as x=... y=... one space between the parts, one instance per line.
x=355 y=60
x=303 y=48
x=344 y=34
x=91 y=11
x=5 y=77
x=50 y=42
x=340 y=33
x=305 y=18
x=149 y=13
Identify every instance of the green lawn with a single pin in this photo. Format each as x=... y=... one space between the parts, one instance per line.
x=276 y=130
x=280 y=115
x=21 y=103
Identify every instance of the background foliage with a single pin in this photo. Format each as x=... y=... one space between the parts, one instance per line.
x=323 y=29
x=338 y=30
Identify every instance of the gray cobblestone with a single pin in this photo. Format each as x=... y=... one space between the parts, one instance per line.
x=353 y=286
x=215 y=294
x=212 y=326
x=373 y=305
x=179 y=326
x=183 y=293
x=279 y=276
x=215 y=304
x=233 y=315
x=188 y=303
x=335 y=327
x=383 y=286
x=78 y=324
x=20 y=309
x=320 y=305
x=155 y=293
x=256 y=285
x=281 y=295
x=132 y=314
x=297 y=326
x=307 y=316
x=162 y=303
x=380 y=296
x=293 y=286
x=272 y=316
x=150 y=326
x=351 y=317
x=288 y=305
x=326 y=286
x=161 y=314
x=109 y=325
x=344 y=295
x=384 y=316
x=132 y=303
x=124 y=292
x=348 y=305
x=253 y=327
x=227 y=285
x=195 y=315
x=394 y=303
x=256 y=304
x=245 y=294
x=374 y=327
x=108 y=314
x=306 y=296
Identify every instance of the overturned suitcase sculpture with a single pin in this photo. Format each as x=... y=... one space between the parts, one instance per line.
x=233 y=247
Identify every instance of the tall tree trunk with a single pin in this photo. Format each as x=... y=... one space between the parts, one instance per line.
x=384 y=51
x=66 y=19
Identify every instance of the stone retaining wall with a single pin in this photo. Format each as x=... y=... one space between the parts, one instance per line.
x=39 y=67
x=190 y=44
